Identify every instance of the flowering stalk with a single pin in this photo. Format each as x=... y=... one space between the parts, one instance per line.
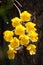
x=18 y=38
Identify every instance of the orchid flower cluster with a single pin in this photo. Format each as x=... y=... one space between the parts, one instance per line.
x=23 y=34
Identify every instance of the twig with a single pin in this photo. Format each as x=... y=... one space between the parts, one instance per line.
x=18 y=3
x=17 y=8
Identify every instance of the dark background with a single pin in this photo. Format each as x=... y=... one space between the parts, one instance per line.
x=35 y=7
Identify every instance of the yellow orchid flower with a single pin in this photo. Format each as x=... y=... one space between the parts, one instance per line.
x=8 y=35
x=15 y=21
x=32 y=52
x=11 y=54
x=32 y=49
x=25 y=16
x=19 y=30
x=33 y=36
x=30 y=26
x=24 y=40
x=14 y=43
